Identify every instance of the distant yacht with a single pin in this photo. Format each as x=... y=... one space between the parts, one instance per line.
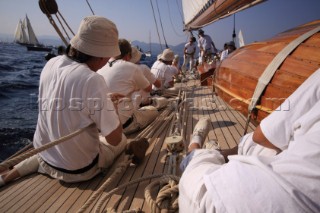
x=24 y=35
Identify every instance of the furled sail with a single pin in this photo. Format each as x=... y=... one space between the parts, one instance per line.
x=200 y=13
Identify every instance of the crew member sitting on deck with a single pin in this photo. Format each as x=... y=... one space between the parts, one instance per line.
x=145 y=97
x=123 y=77
x=71 y=97
x=163 y=69
x=276 y=167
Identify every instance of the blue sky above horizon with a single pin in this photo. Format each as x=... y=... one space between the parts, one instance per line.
x=135 y=21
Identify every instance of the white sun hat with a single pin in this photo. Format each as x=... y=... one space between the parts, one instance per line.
x=135 y=55
x=97 y=36
x=167 y=55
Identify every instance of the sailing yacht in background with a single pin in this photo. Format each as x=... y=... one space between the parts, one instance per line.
x=24 y=35
x=148 y=53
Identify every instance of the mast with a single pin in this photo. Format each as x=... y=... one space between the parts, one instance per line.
x=150 y=42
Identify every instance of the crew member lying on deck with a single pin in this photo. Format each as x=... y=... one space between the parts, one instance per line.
x=72 y=80
x=256 y=178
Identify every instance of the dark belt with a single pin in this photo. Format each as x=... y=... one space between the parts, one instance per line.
x=156 y=92
x=78 y=171
x=127 y=123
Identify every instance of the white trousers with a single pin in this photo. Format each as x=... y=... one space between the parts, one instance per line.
x=107 y=155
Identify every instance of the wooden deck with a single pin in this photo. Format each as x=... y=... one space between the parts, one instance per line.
x=39 y=193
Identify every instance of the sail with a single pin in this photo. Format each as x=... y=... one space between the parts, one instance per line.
x=200 y=13
x=20 y=35
x=32 y=39
x=241 y=40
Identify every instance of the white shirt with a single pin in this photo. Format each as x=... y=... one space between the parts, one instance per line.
x=163 y=72
x=190 y=47
x=142 y=96
x=124 y=77
x=224 y=54
x=205 y=42
x=278 y=127
x=71 y=96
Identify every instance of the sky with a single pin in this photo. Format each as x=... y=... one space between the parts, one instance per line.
x=135 y=19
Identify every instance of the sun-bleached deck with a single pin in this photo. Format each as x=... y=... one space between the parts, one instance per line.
x=39 y=193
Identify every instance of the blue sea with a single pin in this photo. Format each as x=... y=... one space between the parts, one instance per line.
x=19 y=80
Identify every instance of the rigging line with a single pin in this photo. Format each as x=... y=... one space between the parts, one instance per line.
x=155 y=21
x=90 y=7
x=63 y=27
x=180 y=35
x=165 y=41
x=51 y=20
x=234 y=28
x=66 y=23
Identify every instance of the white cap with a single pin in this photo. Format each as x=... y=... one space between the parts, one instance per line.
x=97 y=36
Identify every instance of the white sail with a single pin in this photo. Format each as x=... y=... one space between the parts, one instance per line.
x=241 y=40
x=200 y=13
x=32 y=39
x=20 y=35
x=24 y=33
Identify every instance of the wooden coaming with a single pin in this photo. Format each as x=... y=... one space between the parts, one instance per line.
x=239 y=73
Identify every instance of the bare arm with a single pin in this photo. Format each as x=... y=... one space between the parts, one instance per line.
x=148 y=88
x=261 y=139
x=115 y=137
x=157 y=83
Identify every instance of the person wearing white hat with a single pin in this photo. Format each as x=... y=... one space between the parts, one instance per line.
x=71 y=97
x=164 y=70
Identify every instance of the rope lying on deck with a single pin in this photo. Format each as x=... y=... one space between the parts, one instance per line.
x=167 y=197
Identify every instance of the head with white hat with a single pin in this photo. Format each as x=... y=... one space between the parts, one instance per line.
x=167 y=56
x=97 y=37
x=135 y=55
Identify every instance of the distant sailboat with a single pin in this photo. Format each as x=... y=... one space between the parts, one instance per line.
x=148 y=53
x=24 y=35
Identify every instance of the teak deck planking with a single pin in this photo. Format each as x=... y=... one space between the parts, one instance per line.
x=39 y=193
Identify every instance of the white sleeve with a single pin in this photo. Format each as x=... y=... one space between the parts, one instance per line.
x=278 y=126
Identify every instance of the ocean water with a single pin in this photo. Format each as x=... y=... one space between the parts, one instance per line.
x=19 y=80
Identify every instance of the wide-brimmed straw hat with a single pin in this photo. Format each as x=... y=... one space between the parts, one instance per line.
x=135 y=55
x=97 y=36
x=167 y=55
